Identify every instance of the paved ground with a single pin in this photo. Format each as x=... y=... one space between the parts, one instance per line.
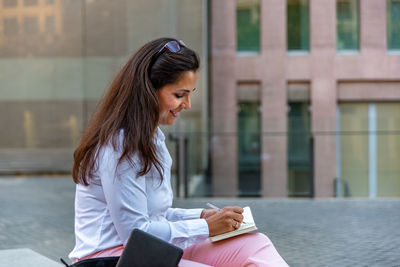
x=37 y=213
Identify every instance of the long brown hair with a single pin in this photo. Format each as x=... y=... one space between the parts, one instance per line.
x=131 y=104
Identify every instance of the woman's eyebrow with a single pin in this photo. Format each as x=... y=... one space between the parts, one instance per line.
x=186 y=90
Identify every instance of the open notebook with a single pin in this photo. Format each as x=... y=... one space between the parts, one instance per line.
x=244 y=227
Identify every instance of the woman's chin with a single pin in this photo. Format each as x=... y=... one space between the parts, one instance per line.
x=171 y=122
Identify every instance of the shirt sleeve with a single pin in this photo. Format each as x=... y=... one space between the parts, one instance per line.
x=126 y=198
x=176 y=214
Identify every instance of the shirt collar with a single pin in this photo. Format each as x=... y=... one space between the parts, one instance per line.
x=159 y=135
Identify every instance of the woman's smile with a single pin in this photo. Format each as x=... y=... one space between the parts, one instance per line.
x=175 y=113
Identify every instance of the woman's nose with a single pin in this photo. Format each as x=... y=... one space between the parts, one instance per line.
x=187 y=104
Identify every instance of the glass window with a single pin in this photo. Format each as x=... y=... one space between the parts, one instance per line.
x=31 y=25
x=298 y=25
x=299 y=141
x=347 y=24
x=354 y=153
x=370 y=149
x=50 y=24
x=299 y=136
x=388 y=149
x=9 y=3
x=249 y=139
x=248 y=25
x=10 y=26
x=393 y=24
x=30 y=2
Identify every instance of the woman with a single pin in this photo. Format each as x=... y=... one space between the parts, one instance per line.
x=122 y=168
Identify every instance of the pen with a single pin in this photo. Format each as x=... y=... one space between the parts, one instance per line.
x=212 y=206
x=215 y=207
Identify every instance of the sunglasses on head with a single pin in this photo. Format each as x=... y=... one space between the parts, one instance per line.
x=172 y=46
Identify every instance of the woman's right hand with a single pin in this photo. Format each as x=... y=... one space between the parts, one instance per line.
x=225 y=220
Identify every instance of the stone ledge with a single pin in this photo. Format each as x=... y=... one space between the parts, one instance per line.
x=23 y=257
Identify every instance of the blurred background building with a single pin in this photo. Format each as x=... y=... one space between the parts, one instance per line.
x=298 y=98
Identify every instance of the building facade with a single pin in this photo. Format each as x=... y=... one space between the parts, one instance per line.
x=305 y=98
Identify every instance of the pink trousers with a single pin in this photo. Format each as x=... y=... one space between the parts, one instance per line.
x=244 y=250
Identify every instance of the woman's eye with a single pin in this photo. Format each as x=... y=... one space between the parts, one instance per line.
x=178 y=95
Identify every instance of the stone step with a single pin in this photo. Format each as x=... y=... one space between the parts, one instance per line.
x=23 y=257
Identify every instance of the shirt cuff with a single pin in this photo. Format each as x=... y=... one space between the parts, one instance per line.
x=198 y=227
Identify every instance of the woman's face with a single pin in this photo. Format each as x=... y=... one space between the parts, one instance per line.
x=176 y=97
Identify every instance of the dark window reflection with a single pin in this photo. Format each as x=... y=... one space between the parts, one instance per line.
x=249 y=146
x=298 y=25
x=9 y=3
x=10 y=26
x=30 y=2
x=299 y=164
x=393 y=24
x=347 y=24
x=248 y=25
x=31 y=25
x=50 y=24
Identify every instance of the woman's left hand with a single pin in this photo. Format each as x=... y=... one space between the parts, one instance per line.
x=207 y=213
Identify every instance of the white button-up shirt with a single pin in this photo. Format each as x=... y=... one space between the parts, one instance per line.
x=117 y=201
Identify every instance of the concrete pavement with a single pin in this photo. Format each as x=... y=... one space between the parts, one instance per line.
x=37 y=213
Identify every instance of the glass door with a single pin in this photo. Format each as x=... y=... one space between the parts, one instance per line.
x=249 y=148
x=299 y=150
